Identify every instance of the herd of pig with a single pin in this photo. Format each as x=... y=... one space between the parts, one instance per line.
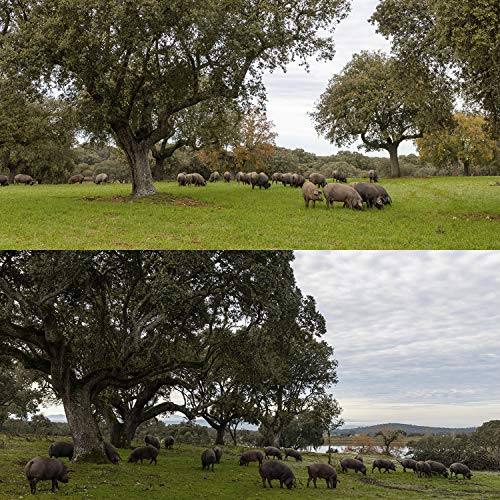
x=74 y=179
x=51 y=469
x=351 y=195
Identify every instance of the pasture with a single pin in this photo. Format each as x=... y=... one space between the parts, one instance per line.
x=427 y=213
x=178 y=475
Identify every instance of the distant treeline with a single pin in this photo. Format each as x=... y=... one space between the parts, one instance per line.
x=90 y=160
x=409 y=430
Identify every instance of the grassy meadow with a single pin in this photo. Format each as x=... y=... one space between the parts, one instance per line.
x=178 y=475
x=427 y=213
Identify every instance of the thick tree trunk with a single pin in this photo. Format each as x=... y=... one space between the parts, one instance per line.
x=137 y=156
x=221 y=431
x=393 y=154
x=86 y=436
x=159 y=169
x=12 y=173
x=466 y=168
x=122 y=434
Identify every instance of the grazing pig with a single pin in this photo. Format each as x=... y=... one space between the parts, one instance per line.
x=214 y=177
x=297 y=180
x=218 y=454
x=277 y=470
x=60 y=449
x=271 y=451
x=189 y=180
x=383 y=464
x=352 y=463
x=408 y=463
x=246 y=179
x=101 y=178
x=198 y=180
x=346 y=194
x=261 y=180
x=318 y=179
x=251 y=456
x=111 y=453
x=152 y=441
x=311 y=193
x=286 y=179
x=339 y=176
x=169 y=442
x=208 y=458
x=227 y=176
x=458 y=468
x=24 y=179
x=144 y=453
x=359 y=457
x=423 y=468
x=372 y=174
x=369 y=194
x=3 y=180
x=386 y=199
x=290 y=452
x=45 y=469
x=181 y=178
x=239 y=177
x=323 y=471
x=276 y=177
x=76 y=179
x=438 y=468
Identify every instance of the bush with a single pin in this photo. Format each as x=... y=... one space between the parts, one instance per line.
x=479 y=450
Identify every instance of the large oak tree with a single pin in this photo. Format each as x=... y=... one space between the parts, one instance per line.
x=134 y=65
x=379 y=101
x=90 y=321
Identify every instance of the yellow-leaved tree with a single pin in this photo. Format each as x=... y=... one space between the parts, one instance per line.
x=466 y=141
x=256 y=141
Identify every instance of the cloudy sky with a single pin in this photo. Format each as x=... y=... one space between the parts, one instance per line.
x=416 y=334
x=292 y=95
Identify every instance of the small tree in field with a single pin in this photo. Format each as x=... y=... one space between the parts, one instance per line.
x=372 y=100
x=389 y=437
x=255 y=144
x=465 y=141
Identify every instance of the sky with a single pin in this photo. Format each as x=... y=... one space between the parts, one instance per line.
x=416 y=334
x=292 y=95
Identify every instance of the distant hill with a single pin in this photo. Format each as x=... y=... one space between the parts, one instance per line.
x=408 y=428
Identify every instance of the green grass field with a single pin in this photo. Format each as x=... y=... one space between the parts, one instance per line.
x=430 y=213
x=178 y=475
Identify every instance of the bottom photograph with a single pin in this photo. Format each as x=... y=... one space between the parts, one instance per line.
x=250 y=374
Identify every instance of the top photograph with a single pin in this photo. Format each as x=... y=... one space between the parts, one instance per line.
x=249 y=124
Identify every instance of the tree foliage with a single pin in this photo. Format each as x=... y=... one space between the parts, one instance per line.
x=254 y=144
x=20 y=394
x=371 y=100
x=463 y=36
x=36 y=134
x=466 y=141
